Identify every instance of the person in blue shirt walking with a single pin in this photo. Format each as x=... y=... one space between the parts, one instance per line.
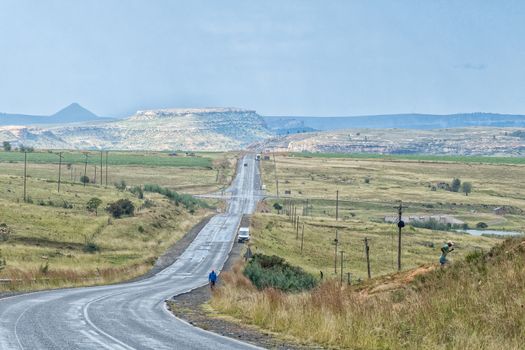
x=447 y=248
x=212 y=277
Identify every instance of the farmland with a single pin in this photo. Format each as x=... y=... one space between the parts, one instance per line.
x=55 y=241
x=370 y=189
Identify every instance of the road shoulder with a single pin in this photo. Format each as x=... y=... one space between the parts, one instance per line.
x=193 y=307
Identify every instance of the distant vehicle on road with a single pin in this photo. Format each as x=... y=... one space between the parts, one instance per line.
x=258 y=157
x=245 y=164
x=244 y=235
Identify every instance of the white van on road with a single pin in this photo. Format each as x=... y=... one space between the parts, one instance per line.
x=244 y=235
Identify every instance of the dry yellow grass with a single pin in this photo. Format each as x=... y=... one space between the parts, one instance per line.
x=317 y=179
x=471 y=305
x=273 y=234
x=474 y=304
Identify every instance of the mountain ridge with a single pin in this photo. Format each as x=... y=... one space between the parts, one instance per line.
x=72 y=113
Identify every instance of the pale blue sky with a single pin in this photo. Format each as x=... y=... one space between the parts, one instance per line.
x=279 y=57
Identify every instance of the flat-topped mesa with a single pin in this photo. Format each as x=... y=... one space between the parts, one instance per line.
x=181 y=112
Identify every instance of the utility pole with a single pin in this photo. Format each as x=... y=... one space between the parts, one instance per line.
x=59 y=169
x=306 y=208
x=367 y=252
x=95 y=178
x=107 y=168
x=336 y=205
x=400 y=225
x=302 y=239
x=336 y=242
x=276 y=179
x=297 y=228
x=101 y=168
x=342 y=260
x=25 y=174
x=85 y=168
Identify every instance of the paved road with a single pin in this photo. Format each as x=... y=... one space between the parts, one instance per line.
x=133 y=315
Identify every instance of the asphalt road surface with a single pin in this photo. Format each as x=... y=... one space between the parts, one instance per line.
x=133 y=315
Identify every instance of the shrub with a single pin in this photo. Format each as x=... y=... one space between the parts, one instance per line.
x=148 y=203
x=7 y=146
x=455 y=185
x=188 y=201
x=44 y=269
x=466 y=188
x=120 y=185
x=91 y=247
x=481 y=225
x=435 y=225
x=121 y=207
x=5 y=232
x=274 y=272
x=27 y=149
x=84 y=179
x=93 y=204
x=137 y=191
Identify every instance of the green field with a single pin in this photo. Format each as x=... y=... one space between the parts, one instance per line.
x=154 y=159
x=416 y=157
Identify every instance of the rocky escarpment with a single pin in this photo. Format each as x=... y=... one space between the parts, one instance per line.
x=163 y=129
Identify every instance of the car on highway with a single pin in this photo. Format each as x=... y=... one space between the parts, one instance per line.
x=244 y=235
x=245 y=164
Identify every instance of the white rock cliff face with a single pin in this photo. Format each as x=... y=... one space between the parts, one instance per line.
x=164 y=129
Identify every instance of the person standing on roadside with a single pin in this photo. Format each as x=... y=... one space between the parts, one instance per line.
x=447 y=248
x=212 y=278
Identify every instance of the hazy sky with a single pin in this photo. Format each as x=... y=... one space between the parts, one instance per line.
x=279 y=57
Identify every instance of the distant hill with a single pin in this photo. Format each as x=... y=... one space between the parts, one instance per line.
x=473 y=141
x=74 y=113
x=161 y=129
x=289 y=124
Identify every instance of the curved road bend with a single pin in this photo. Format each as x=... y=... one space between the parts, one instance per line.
x=133 y=315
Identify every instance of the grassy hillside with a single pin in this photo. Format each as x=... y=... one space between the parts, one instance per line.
x=473 y=304
x=275 y=235
x=54 y=241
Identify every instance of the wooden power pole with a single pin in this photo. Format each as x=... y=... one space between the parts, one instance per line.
x=342 y=260
x=302 y=239
x=400 y=225
x=85 y=168
x=25 y=174
x=107 y=168
x=336 y=205
x=367 y=252
x=336 y=242
x=59 y=169
x=101 y=168
x=297 y=228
